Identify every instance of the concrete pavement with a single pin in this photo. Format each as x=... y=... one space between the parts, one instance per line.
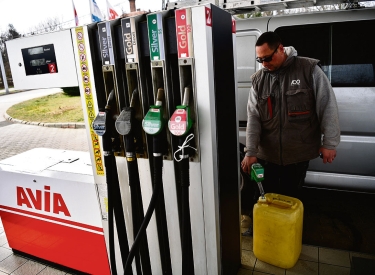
x=17 y=138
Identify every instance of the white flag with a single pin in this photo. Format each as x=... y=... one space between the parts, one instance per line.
x=75 y=14
x=112 y=14
x=96 y=14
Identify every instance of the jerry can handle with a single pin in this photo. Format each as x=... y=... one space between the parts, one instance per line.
x=282 y=203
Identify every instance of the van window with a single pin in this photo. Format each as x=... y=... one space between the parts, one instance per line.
x=245 y=62
x=343 y=48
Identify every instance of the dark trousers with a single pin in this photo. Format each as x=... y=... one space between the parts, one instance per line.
x=285 y=180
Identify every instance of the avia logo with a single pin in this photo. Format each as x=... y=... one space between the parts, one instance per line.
x=42 y=200
x=295 y=82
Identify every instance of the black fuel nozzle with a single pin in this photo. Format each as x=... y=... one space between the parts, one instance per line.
x=125 y=121
x=125 y=125
x=103 y=125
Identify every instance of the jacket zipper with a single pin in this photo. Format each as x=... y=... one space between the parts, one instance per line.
x=280 y=120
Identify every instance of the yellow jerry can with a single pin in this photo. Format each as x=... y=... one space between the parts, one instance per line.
x=277 y=230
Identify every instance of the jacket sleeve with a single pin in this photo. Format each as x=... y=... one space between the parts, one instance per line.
x=326 y=109
x=253 y=128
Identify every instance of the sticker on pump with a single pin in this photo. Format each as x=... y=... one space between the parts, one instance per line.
x=178 y=123
x=208 y=17
x=99 y=124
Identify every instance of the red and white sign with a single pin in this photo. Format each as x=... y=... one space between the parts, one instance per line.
x=183 y=32
x=178 y=122
x=208 y=17
x=53 y=213
x=52 y=68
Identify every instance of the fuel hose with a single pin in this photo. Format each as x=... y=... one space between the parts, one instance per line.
x=126 y=126
x=152 y=124
x=103 y=125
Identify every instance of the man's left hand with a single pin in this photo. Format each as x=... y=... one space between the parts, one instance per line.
x=328 y=155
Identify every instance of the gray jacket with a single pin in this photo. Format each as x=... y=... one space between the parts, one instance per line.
x=289 y=110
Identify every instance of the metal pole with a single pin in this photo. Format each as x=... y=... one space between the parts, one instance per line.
x=2 y=68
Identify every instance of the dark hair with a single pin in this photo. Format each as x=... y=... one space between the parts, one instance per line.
x=271 y=38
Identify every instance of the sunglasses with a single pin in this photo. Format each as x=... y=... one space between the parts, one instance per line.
x=268 y=58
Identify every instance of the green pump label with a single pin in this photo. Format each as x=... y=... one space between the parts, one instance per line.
x=155 y=36
x=153 y=121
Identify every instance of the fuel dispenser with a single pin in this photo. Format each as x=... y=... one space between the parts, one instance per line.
x=161 y=53
x=206 y=68
x=113 y=143
x=128 y=124
x=176 y=66
x=182 y=125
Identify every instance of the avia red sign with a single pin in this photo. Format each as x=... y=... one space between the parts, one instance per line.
x=42 y=200
x=182 y=29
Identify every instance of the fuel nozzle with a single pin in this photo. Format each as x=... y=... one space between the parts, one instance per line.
x=180 y=122
x=257 y=174
x=124 y=122
x=99 y=124
x=154 y=122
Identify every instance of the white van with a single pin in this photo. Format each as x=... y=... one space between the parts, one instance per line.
x=343 y=41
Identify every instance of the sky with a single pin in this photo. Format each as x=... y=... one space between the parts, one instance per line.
x=26 y=14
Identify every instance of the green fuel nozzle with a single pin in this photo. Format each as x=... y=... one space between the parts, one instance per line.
x=154 y=122
x=180 y=122
x=257 y=174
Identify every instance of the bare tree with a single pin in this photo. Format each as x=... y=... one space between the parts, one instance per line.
x=48 y=25
x=305 y=10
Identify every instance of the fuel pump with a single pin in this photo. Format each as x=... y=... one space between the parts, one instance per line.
x=129 y=125
x=153 y=124
x=115 y=102
x=180 y=125
x=163 y=60
x=103 y=126
x=126 y=125
x=138 y=74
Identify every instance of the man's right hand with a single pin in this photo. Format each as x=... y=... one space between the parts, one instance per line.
x=247 y=162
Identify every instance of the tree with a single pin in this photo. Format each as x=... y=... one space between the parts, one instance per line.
x=48 y=25
x=306 y=9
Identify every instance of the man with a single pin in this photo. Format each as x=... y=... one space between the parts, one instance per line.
x=292 y=116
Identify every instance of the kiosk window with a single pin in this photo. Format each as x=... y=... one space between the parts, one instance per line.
x=341 y=47
x=246 y=64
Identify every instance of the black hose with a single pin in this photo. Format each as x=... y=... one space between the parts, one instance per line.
x=137 y=207
x=108 y=163
x=187 y=251
x=158 y=181
x=114 y=195
x=112 y=256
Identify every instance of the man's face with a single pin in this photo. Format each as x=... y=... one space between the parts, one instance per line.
x=271 y=59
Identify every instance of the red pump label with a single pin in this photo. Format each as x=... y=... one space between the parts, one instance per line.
x=183 y=33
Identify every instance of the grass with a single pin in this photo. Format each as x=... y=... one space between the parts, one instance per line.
x=58 y=107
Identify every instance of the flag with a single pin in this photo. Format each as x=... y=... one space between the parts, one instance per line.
x=75 y=14
x=112 y=14
x=96 y=14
